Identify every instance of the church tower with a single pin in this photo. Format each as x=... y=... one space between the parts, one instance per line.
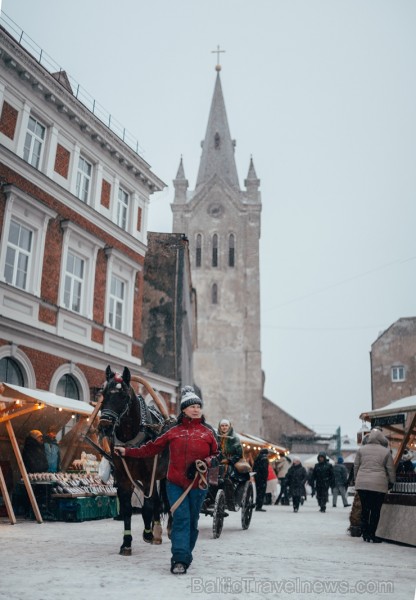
x=222 y=224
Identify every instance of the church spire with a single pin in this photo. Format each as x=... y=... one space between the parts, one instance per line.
x=252 y=183
x=181 y=184
x=218 y=148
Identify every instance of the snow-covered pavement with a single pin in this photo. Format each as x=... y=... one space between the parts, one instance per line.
x=282 y=555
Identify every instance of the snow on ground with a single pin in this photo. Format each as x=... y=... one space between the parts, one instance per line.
x=281 y=555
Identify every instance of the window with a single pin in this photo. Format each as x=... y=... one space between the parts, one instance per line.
x=117 y=297
x=231 y=251
x=74 y=279
x=67 y=386
x=19 y=247
x=83 y=179
x=398 y=373
x=10 y=371
x=22 y=244
x=215 y=250
x=34 y=141
x=198 y=253
x=214 y=294
x=122 y=208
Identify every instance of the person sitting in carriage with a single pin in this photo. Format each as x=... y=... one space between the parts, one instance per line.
x=231 y=450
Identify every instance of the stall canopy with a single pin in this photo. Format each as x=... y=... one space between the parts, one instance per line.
x=399 y=419
x=252 y=442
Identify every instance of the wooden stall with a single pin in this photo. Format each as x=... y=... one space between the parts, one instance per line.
x=398 y=514
x=22 y=410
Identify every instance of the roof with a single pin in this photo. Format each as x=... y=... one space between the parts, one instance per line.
x=407 y=404
x=9 y=392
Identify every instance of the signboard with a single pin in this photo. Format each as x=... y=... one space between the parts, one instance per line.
x=389 y=420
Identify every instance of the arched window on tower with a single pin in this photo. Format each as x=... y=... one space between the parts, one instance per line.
x=198 y=251
x=215 y=250
x=214 y=294
x=10 y=371
x=231 y=250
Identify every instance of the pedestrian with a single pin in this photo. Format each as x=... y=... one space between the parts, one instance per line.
x=261 y=469
x=340 y=483
x=52 y=451
x=34 y=455
x=322 y=479
x=282 y=467
x=271 y=487
x=373 y=474
x=191 y=440
x=295 y=479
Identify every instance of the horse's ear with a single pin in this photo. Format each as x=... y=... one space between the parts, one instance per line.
x=126 y=376
x=108 y=373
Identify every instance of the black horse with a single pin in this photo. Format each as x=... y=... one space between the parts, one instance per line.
x=126 y=420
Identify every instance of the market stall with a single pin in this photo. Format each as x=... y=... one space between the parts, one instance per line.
x=76 y=492
x=398 y=513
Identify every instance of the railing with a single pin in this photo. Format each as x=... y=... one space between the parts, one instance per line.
x=82 y=95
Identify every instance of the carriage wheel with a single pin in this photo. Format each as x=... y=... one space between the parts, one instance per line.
x=247 y=505
x=218 y=514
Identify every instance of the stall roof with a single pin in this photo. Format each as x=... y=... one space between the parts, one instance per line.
x=253 y=440
x=9 y=393
x=407 y=404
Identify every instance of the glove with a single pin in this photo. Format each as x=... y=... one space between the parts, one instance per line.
x=190 y=473
x=214 y=462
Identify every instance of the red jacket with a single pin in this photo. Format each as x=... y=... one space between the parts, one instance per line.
x=187 y=441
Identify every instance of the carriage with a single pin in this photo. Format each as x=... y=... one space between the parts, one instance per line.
x=228 y=490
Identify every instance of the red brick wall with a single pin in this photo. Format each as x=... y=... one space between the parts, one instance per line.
x=47 y=315
x=105 y=193
x=8 y=120
x=62 y=161
x=52 y=262
x=97 y=335
x=100 y=287
x=137 y=308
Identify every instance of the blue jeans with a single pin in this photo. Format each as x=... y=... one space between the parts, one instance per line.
x=185 y=522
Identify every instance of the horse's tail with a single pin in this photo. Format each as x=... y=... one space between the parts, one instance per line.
x=164 y=502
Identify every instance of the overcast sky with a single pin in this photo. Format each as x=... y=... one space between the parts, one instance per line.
x=322 y=94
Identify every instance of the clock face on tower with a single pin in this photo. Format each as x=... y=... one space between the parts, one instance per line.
x=215 y=210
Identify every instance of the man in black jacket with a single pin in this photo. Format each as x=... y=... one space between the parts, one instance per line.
x=322 y=479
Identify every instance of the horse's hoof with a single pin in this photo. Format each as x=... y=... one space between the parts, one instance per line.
x=125 y=551
x=156 y=541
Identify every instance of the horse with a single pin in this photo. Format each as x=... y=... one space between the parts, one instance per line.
x=126 y=420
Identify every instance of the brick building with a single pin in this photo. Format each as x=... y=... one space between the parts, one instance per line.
x=74 y=202
x=393 y=363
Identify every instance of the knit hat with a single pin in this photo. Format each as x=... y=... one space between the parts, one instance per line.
x=35 y=433
x=225 y=422
x=296 y=459
x=189 y=397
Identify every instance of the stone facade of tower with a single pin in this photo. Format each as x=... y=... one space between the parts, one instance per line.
x=222 y=223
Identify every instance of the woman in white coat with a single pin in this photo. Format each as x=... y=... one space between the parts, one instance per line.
x=373 y=472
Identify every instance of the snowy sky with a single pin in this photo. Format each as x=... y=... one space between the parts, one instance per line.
x=322 y=93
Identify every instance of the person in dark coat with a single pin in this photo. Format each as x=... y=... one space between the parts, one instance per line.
x=373 y=472
x=295 y=480
x=340 y=482
x=261 y=469
x=34 y=456
x=322 y=479
x=52 y=451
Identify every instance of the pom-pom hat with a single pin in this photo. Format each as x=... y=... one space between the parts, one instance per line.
x=189 y=397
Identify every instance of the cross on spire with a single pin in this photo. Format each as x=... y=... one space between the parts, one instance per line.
x=217 y=52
